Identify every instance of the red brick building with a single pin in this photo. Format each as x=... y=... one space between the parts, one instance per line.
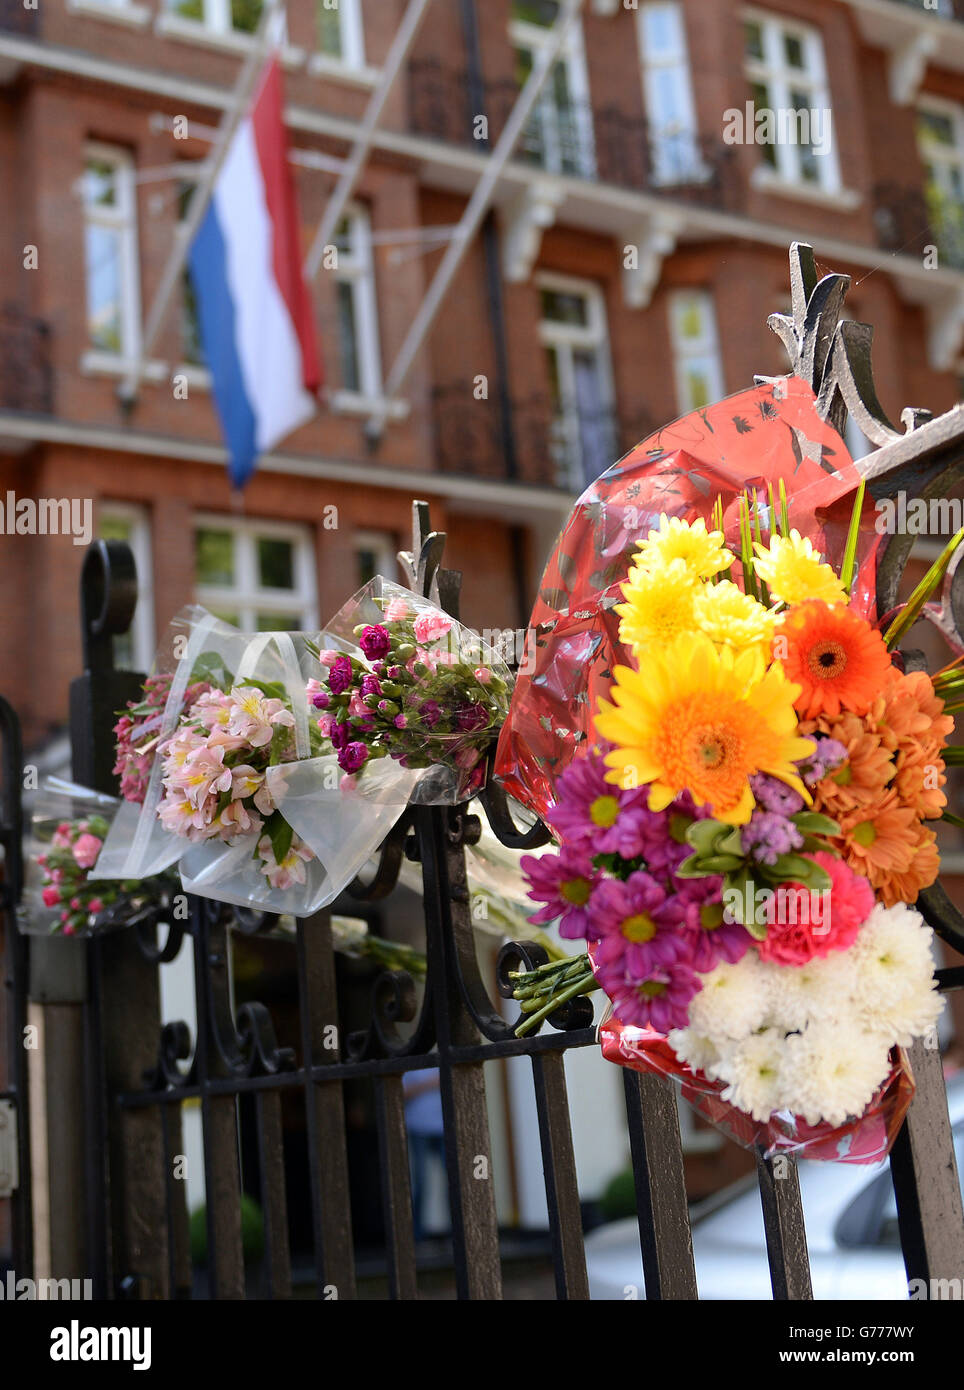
x=623 y=277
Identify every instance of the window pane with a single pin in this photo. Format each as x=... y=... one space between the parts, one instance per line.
x=661 y=30
x=245 y=15
x=276 y=563
x=558 y=306
x=367 y=564
x=348 y=338
x=697 y=387
x=689 y=318
x=191 y=349
x=100 y=179
x=228 y=615
x=214 y=556
x=104 y=288
x=933 y=126
x=544 y=12
x=329 y=29
x=277 y=622
x=552 y=368
x=793 y=51
x=114 y=528
x=753 y=39
x=187 y=9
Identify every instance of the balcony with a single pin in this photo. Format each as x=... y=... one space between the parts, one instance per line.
x=564 y=449
x=26 y=379
x=909 y=219
x=599 y=143
x=944 y=9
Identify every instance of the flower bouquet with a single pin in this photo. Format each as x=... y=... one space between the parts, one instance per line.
x=740 y=842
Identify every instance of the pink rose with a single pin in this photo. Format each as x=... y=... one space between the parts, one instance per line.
x=50 y=896
x=86 y=850
x=95 y=905
x=429 y=627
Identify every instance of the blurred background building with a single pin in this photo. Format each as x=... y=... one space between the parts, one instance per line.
x=623 y=278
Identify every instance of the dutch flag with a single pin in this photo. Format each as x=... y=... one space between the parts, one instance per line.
x=254 y=309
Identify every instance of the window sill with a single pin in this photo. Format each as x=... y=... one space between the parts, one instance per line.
x=135 y=16
x=321 y=65
x=94 y=362
x=173 y=26
x=766 y=181
x=355 y=403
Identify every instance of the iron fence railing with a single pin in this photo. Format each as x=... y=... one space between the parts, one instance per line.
x=909 y=220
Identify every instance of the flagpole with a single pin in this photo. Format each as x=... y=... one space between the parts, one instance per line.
x=184 y=234
x=394 y=60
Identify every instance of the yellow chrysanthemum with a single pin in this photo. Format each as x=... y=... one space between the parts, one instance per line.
x=794 y=571
x=701 y=551
x=703 y=719
x=732 y=618
x=658 y=606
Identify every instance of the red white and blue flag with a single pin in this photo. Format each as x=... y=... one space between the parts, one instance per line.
x=254 y=310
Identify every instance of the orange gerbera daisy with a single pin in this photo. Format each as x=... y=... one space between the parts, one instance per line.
x=863 y=778
x=925 y=864
x=835 y=656
x=880 y=840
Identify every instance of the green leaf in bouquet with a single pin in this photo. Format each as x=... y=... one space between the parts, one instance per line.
x=731 y=843
x=280 y=834
x=951 y=819
x=210 y=667
x=813 y=823
x=702 y=834
x=848 y=567
x=934 y=577
x=691 y=867
x=720 y=863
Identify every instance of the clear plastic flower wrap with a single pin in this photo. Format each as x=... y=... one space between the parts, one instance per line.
x=69 y=825
x=404 y=680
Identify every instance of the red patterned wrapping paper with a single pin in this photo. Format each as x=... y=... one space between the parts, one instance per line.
x=867 y=1139
x=752 y=440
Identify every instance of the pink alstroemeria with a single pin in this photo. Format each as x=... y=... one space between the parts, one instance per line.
x=292 y=867
x=204 y=774
x=237 y=819
x=254 y=717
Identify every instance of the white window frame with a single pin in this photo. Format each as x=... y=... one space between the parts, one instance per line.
x=684 y=164
x=564 y=338
x=138 y=518
x=352 y=33
x=214 y=28
x=704 y=350
x=357 y=269
x=779 y=77
x=937 y=154
x=572 y=55
x=384 y=547
x=116 y=11
x=246 y=597
x=123 y=217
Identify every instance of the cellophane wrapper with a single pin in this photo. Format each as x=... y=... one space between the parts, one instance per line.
x=752 y=440
x=446 y=783
x=57 y=802
x=867 y=1138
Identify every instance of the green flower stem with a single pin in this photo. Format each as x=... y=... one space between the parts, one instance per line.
x=583 y=984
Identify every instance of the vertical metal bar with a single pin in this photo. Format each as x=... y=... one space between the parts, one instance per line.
x=277 y=1261
x=468 y=1148
x=396 y=1187
x=664 y=1224
x=786 y=1233
x=926 y=1182
x=325 y=1110
x=559 y=1168
x=178 y=1224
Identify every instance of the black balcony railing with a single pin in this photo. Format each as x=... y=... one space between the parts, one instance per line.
x=911 y=220
x=553 y=449
x=599 y=142
x=26 y=381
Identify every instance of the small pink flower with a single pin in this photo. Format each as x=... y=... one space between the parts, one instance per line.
x=75 y=904
x=86 y=850
x=348 y=782
x=396 y=611
x=482 y=674
x=95 y=905
x=50 y=896
x=328 y=657
x=429 y=627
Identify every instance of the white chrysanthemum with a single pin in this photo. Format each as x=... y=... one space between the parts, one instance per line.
x=823 y=988
x=693 y=1048
x=752 y=1070
x=895 y=993
x=831 y=1071
x=734 y=1000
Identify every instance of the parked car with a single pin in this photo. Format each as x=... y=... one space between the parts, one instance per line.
x=851 y=1220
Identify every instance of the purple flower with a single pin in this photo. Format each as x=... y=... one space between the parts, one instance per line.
x=395 y=673
x=352 y=757
x=661 y=1000
x=636 y=922
x=340 y=675
x=471 y=717
x=370 y=686
x=430 y=713
x=564 y=882
x=708 y=934
x=320 y=700
x=340 y=734
x=400 y=721
x=767 y=835
x=375 y=642
x=829 y=753
x=774 y=795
